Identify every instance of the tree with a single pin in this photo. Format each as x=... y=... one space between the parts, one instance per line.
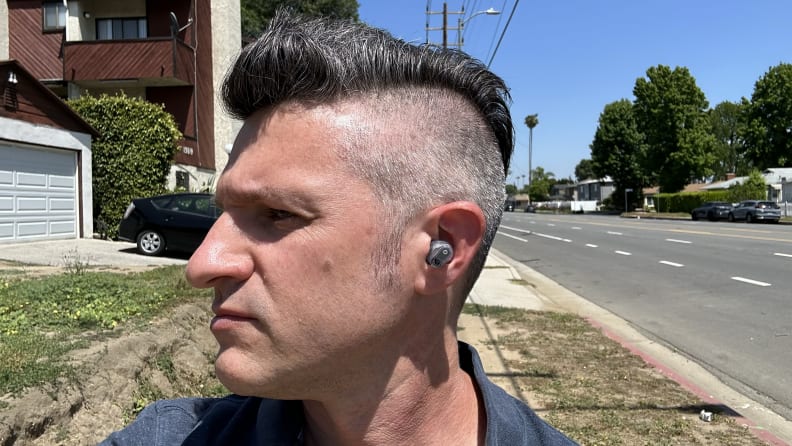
x=531 y=121
x=539 y=188
x=132 y=156
x=726 y=123
x=670 y=111
x=754 y=188
x=584 y=170
x=768 y=132
x=511 y=189
x=256 y=14
x=617 y=150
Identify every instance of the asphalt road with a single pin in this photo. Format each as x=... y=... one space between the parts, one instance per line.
x=720 y=293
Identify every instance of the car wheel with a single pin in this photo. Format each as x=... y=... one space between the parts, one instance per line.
x=150 y=243
x=748 y=218
x=731 y=216
x=693 y=216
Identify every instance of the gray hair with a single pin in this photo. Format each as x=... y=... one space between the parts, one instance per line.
x=449 y=132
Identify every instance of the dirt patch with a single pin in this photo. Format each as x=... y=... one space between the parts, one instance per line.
x=118 y=377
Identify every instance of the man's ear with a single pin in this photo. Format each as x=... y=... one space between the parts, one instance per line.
x=461 y=224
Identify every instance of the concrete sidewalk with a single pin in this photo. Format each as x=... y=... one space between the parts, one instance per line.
x=508 y=283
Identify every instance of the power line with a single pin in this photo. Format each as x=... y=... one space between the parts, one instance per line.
x=503 y=33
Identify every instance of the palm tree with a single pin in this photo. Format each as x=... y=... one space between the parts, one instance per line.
x=531 y=121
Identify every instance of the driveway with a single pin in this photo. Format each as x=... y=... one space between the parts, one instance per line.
x=92 y=252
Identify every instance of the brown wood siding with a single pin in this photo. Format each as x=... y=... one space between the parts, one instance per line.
x=36 y=104
x=37 y=51
x=183 y=158
x=158 y=16
x=179 y=102
x=127 y=59
x=205 y=94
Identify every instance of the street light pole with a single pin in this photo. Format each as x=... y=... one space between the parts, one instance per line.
x=462 y=22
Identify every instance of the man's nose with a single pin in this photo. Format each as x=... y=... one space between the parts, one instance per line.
x=223 y=254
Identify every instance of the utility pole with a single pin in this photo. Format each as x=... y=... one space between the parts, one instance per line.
x=445 y=12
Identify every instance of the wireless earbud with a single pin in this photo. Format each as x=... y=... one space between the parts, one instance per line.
x=440 y=253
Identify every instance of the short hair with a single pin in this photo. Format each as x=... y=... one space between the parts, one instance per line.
x=453 y=135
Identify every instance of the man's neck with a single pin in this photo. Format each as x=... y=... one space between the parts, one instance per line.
x=420 y=409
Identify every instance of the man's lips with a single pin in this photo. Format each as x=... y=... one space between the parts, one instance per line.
x=228 y=321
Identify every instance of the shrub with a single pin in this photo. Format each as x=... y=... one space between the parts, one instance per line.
x=133 y=154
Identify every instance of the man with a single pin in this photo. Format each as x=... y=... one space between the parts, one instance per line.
x=360 y=201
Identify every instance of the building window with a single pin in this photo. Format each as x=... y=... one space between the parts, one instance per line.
x=182 y=181
x=54 y=15
x=121 y=29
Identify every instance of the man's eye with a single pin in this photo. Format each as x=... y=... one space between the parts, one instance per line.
x=278 y=214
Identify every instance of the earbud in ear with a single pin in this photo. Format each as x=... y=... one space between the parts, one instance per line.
x=440 y=253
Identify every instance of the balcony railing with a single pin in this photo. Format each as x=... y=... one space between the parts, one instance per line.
x=159 y=61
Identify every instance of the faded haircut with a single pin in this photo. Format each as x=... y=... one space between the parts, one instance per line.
x=436 y=129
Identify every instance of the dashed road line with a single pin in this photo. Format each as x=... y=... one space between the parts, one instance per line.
x=551 y=224
x=781 y=254
x=624 y=253
x=591 y=246
x=552 y=237
x=576 y=228
x=513 y=236
x=673 y=240
x=751 y=281
x=674 y=264
x=614 y=233
x=524 y=231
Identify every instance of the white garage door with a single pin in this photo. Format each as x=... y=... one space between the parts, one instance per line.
x=38 y=193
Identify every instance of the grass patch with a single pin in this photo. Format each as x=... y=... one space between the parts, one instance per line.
x=596 y=391
x=41 y=318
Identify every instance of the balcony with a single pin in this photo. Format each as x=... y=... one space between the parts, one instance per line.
x=146 y=62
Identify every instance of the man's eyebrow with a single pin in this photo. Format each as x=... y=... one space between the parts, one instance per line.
x=225 y=196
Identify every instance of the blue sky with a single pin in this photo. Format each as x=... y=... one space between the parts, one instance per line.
x=567 y=59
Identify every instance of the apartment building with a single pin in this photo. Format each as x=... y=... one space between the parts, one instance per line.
x=173 y=52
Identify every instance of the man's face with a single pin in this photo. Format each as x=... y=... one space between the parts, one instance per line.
x=289 y=259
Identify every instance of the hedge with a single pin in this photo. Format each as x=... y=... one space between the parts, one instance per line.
x=133 y=154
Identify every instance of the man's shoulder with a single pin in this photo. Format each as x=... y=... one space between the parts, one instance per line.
x=509 y=420
x=196 y=421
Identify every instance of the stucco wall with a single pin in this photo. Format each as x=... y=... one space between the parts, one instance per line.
x=3 y=31
x=225 y=47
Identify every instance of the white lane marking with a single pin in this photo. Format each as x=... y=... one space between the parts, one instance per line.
x=614 y=233
x=673 y=240
x=552 y=237
x=781 y=254
x=752 y=282
x=576 y=228
x=624 y=253
x=590 y=245
x=674 y=264
x=551 y=224
x=524 y=231
x=513 y=236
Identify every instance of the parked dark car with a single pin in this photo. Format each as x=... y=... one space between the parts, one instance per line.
x=176 y=222
x=530 y=208
x=756 y=210
x=712 y=210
